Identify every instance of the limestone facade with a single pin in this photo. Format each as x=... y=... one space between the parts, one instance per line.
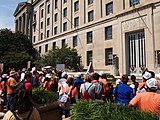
x=117 y=36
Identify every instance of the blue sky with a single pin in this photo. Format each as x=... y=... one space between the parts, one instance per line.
x=7 y=8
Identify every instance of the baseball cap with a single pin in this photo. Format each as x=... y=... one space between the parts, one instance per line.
x=118 y=81
x=5 y=76
x=152 y=83
x=64 y=74
x=147 y=75
x=48 y=76
x=101 y=73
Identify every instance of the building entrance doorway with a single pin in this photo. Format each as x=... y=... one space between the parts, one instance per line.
x=137 y=56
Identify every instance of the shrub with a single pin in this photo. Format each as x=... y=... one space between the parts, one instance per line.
x=42 y=96
x=98 y=110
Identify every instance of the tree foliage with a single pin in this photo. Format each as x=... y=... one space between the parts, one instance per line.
x=64 y=55
x=15 y=49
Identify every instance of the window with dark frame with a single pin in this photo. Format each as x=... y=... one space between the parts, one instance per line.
x=64 y=26
x=48 y=9
x=109 y=8
x=89 y=37
x=76 y=22
x=63 y=43
x=55 y=30
x=108 y=56
x=108 y=32
x=56 y=4
x=89 y=57
x=54 y=45
x=39 y=49
x=90 y=2
x=47 y=33
x=76 y=6
x=41 y=36
x=46 y=47
x=64 y=1
x=75 y=40
x=134 y=2
x=42 y=13
x=48 y=21
x=90 y=16
x=41 y=25
x=65 y=12
x=56 y=17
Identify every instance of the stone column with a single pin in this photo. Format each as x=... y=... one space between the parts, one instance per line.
x=22 y=23
x=26 y=23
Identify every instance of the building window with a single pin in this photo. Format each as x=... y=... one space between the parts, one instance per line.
x=56 y=4
x=41 y=36
x=64 y=1
x=89 y=57
x=109 y=8
x=134 y=2
x=39 y=49
x=55 y=30
x=63 y=43
x=65 y=26
x=108 y=32
x=46 y=47
x=76 y=6
x=65 y=12
x=108 y=56
x=90 y=16
x=47 y=33
x=75 y=40
x=41 y=25
x=90 y=2
x=56 y=17
x=76 y=22
x=48 y=21
x=48 y=9
x=89 y=37
x=42 y=13
x=34 y=39
x=54 y=45
x=34 y=28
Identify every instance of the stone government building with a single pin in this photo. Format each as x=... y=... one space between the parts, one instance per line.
x=117 y=36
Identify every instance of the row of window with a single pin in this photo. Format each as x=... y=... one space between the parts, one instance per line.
x=108 y=34
x=108 y=54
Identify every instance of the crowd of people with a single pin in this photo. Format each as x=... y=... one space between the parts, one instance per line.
x=72 y=88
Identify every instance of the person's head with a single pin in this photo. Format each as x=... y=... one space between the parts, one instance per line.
x=118 y=81
x=152 y=84
x=48 y=77
x=147 y=75
x=133 y=78
x=64 y=75
x=70 y=81
x=4 y=77
x=13 y=74
x=124 y=79
x=28 y=77
x=87 y=78
x=95 y=76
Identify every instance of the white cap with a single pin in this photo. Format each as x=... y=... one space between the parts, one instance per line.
x=152 y=84
x=101 y=73
x=5 y=76
x=64 y=74
x=118 y=81
x=147 y=75
x=79 y=74
x=48 y=75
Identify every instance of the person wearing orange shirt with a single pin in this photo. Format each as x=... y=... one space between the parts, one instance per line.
x=11 y=85
x=148 y=101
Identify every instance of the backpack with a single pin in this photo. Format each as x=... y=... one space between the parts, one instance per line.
x=86 y=95
x=65 y=101
x=21 y=100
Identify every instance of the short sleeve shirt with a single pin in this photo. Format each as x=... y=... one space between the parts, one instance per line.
x=147 y=101
x=10 y=82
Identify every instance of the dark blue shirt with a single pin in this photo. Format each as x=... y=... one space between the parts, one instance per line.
x=124 y=94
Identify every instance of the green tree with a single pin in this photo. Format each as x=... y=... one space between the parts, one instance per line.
x=64 y=55
x=15 y=49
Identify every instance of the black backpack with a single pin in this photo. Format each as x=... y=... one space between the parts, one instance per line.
x=21 y=101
